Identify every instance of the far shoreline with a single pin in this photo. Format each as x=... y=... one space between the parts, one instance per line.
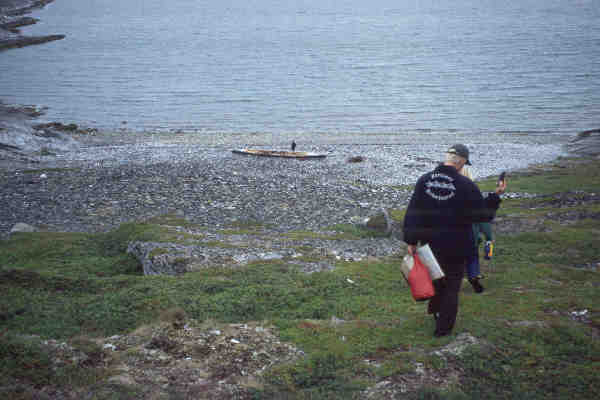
x=30 y=142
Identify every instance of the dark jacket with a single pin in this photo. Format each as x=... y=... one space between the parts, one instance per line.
x=442 y=209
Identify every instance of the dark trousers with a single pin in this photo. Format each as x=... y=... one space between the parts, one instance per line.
x=445 y=301
x=473 y=268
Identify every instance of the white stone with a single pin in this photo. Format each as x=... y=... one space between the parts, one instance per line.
x=123 y=379
x=22 y=227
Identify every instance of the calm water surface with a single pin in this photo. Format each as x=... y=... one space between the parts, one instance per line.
x=397 y=66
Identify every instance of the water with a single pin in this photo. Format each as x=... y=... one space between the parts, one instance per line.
x=331 y=66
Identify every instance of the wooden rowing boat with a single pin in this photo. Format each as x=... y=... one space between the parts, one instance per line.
x=279 y=153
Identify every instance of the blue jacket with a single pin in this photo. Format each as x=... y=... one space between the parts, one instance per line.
x=442 y=210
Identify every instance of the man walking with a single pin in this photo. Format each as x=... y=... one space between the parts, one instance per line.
x=442 y=209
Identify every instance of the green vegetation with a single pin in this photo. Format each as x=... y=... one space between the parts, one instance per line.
x=72 y=286
x=349 y=231
x=155 y=230
x=563 y=175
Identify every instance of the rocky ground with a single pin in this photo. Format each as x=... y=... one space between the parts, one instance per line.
x=182 y=358
x=13 y=17
x=224 y=209
x=179 y=357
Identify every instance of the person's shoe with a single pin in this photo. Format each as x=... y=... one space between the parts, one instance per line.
x=440 y=333
x=476 y=285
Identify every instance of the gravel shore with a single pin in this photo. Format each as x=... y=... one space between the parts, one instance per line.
x=209 y=185
x=113 y=177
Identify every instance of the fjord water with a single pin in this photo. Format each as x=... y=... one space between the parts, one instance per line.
x=475 y=66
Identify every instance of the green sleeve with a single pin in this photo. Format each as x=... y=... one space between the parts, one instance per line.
x=476 y=234
x=486 y=228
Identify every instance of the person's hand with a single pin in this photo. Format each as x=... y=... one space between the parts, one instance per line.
x=412 y=249
x=501 y=187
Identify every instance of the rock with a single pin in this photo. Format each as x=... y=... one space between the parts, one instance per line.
x=19 y=22
x=22 y=41
x=356 y=159
x=11 y=19
x=270 y=256
x=123 y=379
x=19 y=138
x=22 y=227
x=161 y=258
x=8 y=147
x=462 y=342
x=380 y=222
x=586 y=143
x=56 y=126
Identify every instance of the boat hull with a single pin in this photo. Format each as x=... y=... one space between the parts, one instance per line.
x=278 y=153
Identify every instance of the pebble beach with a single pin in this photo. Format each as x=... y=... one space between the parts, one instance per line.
x=104 y=179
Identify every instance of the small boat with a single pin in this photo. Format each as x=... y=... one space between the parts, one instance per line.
x=279 y=153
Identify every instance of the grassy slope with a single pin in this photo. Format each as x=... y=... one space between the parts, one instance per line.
x=67 y=285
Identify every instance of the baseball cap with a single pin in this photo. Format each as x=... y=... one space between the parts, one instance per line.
x=460 y=150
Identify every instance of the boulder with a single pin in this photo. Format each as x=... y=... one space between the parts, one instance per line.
x=381 y=222
x=161 y=258
x=356 y=159
x=22 y=227
x=164 y=258
x=20 y=140
x=586 y=143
